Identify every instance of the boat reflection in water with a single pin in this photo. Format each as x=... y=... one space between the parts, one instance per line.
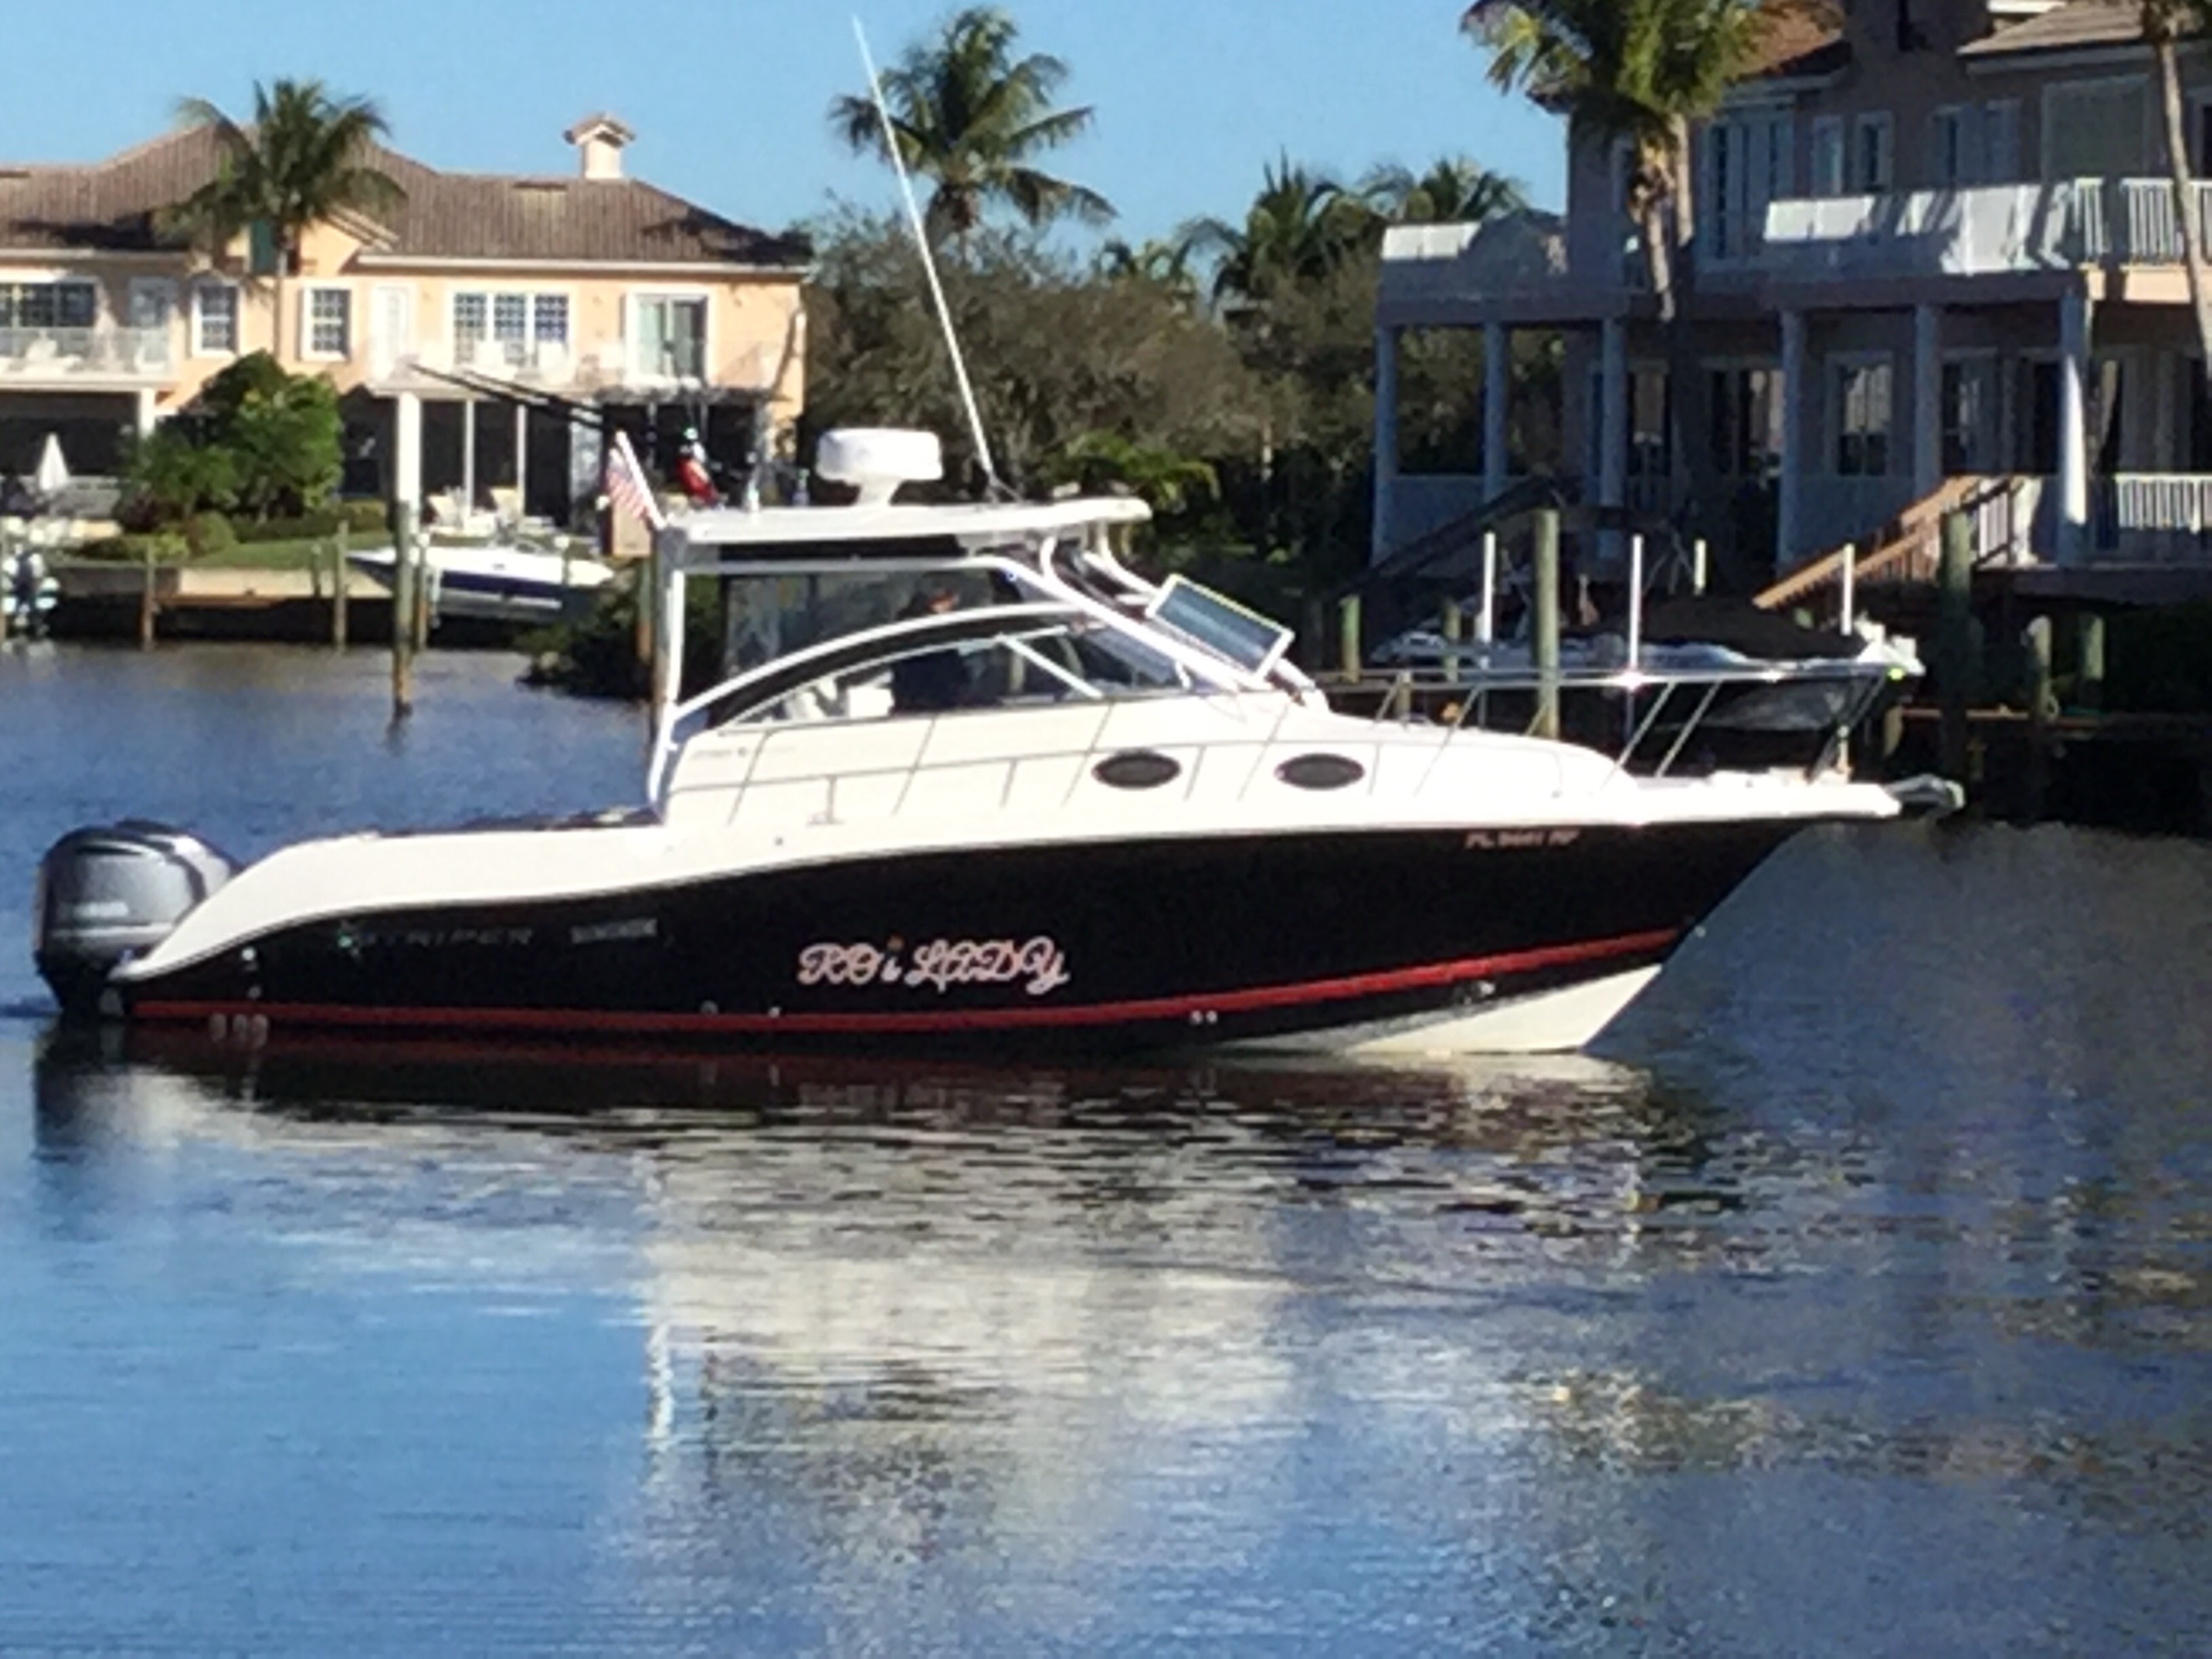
x=952 y=1356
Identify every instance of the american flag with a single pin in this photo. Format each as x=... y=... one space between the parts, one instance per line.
x=626 y=489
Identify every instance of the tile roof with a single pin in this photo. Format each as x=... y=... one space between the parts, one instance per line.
x=116 y=205
x=2079 y=23
x=1801 y=41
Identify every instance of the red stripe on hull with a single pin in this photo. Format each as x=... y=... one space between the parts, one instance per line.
x=1258 y=999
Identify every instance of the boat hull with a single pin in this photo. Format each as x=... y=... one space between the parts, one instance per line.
x=1399 y=940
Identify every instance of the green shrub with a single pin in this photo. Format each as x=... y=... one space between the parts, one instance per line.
x=307 y=527
x=209 y=533
x=131 y=548
x=365 y=518
x=256 y=439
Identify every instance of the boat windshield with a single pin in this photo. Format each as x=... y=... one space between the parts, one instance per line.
x=948 y=661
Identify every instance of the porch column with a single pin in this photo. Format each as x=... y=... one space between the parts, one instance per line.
x=407 y=450
x=150 y=410
x=1927 y=399
x=468 y=458
x=2074 y=323
x=1612 y=426
x=522 y=460
x=1496 y=392
x=1797 y=392
x=1386 y=438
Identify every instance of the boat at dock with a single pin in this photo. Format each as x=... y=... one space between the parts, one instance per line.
x=968 y=781
x=497 y=582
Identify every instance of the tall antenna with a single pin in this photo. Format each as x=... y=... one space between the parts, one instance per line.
x=929 y=267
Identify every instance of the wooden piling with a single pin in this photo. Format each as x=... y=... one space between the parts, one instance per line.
x=402 y=609
x=1955 y=641
x=1347 y=635
x=647 y=629
x=2035 y=643
x=341 y=579
x=418 y=552
x=2089 y=658
x=1544 y=624
x=147 y=602
x=1454 y=629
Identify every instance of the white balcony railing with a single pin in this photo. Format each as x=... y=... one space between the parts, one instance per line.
x=39 y=352
x=1987 y=229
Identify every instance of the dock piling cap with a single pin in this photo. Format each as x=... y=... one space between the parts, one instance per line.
x=876 y=460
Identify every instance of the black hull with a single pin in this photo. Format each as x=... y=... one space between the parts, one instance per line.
x=1112 y=945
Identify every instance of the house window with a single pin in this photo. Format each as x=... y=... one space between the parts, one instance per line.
x=215 y=320
x=510 y=318
x=49 y=305
x=1870 y=153
x=1970 y=416
x=1828 y=157
x=472 y=323
x=2001 y=142
x=2095 y=129
x=670 y=340
x=1954 y=159
x=1746 y=165
x=330 y=322
x=1862 y=419
x=1746 y=422
x=511 y=321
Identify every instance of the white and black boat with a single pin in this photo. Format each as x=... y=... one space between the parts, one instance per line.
x=969 y=781
x=497 y=582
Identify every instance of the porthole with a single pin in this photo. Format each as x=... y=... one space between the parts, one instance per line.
x=1321 y=772
x=1137 y=769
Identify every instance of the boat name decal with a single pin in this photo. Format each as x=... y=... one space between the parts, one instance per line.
x=1038 y=965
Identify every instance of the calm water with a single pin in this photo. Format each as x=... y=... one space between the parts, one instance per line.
x=1860 y=1302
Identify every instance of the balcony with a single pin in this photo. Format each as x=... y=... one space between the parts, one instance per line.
x=1990 y=229
x=70 y=357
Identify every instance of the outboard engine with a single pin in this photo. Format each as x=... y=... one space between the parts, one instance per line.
x=107 y=894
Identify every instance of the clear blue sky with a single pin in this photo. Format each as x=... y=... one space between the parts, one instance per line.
x=727 y=96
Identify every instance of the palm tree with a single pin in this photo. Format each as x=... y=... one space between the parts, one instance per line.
x=1455 y=190
x=1302 y=227
x=305 y=158
x=1164 y=262
x=2164 y=23
x=971 y=118
x=1640 y=74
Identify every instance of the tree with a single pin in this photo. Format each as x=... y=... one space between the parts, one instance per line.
x=1302 y=227
x=305 y=158
x=1638 y=73
x=1165 y=264
x=1057 y=350
x=1455 y=190
x=255 y=438
x=2164 y=23
x=972 y=119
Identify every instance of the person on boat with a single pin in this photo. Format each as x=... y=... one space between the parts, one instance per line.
x=933 y=681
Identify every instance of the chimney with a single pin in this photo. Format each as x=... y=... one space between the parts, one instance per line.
x=598 y=140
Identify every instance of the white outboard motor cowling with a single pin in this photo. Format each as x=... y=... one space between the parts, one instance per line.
x=108 y=893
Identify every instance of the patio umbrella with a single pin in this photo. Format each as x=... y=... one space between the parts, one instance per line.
x=53 y=474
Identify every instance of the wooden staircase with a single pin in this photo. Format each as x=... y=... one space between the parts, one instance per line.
x=1906 y=551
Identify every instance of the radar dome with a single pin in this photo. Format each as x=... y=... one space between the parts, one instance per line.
x=876 y=461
